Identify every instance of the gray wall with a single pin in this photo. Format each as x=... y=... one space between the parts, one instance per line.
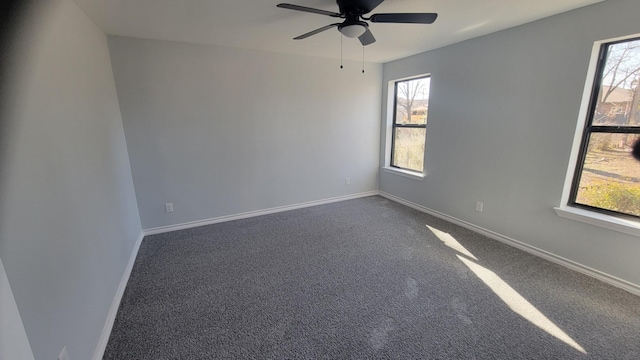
x=68 y=216
x=220 y=131
x=502 y=116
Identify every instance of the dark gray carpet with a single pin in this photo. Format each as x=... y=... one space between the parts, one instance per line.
x=361 y=279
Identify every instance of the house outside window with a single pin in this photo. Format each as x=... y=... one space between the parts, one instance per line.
x=409 y=127
x=606 y=177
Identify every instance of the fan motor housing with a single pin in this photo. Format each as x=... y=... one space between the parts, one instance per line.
x=356 y=7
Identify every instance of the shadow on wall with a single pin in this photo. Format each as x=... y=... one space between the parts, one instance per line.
x=13 y=339
x=12 y=14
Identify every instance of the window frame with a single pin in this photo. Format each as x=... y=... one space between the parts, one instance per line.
x=621 y=224
x=588 y=129
x=395 y=125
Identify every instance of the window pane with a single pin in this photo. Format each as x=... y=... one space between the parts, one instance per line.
x=408 y=148
x=610 y=177
x=412 y=101
x=618 y=101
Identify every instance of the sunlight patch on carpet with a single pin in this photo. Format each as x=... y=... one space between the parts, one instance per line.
x=519 y=304
x=451 y=242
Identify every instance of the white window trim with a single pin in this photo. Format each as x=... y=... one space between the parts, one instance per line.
x=389 y=133
x=620 y=224
x=406 y=173
x=623 y=225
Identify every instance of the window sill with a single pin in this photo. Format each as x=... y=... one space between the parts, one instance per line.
x=626 y=226
x=406 y=173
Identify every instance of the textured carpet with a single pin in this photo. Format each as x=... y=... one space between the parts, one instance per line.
x=361 y=279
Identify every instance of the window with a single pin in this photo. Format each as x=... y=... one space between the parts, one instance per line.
x=410 y=109
x=607 y=177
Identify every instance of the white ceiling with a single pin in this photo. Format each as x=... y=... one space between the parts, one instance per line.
x=258 y=24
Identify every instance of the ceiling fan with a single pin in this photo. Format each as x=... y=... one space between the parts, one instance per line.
x=353 y=12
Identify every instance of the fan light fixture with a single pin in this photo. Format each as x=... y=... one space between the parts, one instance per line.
x=353 y=30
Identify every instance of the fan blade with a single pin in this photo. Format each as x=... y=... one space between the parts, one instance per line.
x=307 y=9
x=367 y=38
x=324 y=28
x=405 y=18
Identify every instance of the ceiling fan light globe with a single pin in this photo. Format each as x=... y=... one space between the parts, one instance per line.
x=352 y=31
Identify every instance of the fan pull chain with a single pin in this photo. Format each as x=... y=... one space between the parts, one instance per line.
x=341 y=67
x=363 y=59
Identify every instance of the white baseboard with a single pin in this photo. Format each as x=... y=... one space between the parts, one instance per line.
x=249 y=214
x=113 y=311
x=612 y=280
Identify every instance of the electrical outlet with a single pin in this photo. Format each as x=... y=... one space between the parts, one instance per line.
x=347 y=181
x=168 y=207
x=479 y=206
x=63 y=354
